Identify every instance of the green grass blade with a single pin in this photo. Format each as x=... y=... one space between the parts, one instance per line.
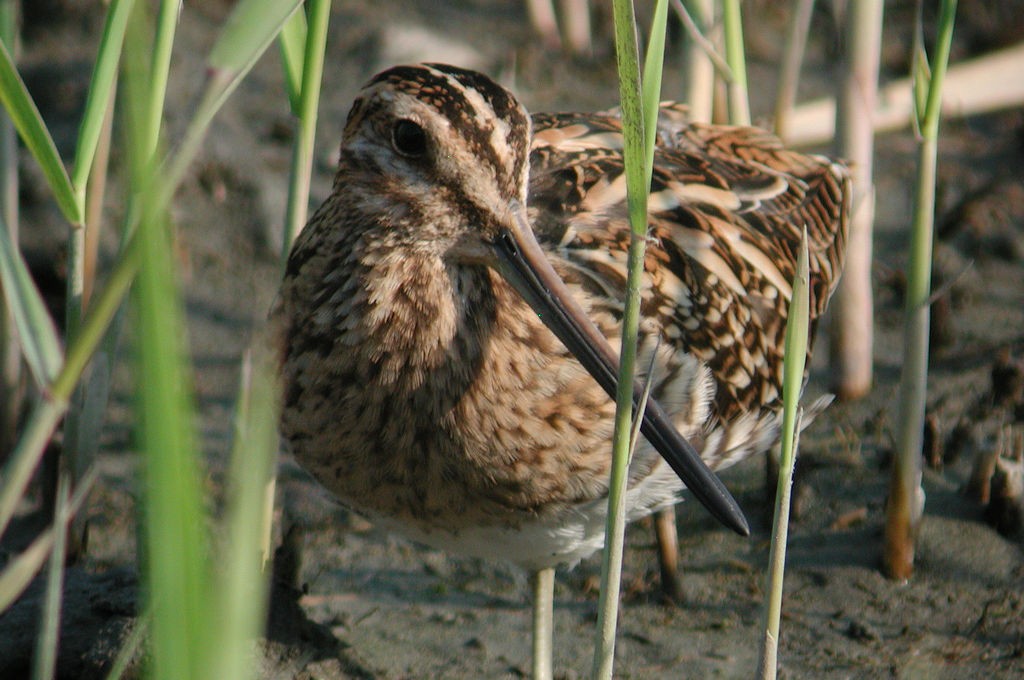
x=185 y=634
x=635 y=142
x=795 y=344
x=93 y=328
x=40 y=427
x=159 y=70
x=81 y=434
x=248 y=32
x=20 y=571
x=293 y=46
x=9 y=150
x=175 y=523
x=252 y=26
x=29 y=124
x=104 y=76
x=104 y=307
x=242 y=588
x=943 y=45
x=26 y=456
x=905 y=504
x=131 y=646
x=36 y=329
x=651 y=85
x=11 y=383
x=795 y=44
x=46 y=642
x=302 y=155
x=174 y=550
x=794 y=362
x=739 y=107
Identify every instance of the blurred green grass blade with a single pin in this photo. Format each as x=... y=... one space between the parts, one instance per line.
x=26 y=456
x=20 y=571
x=252 y=26
x=9 y=151
x=175 y=522
x=130 y=647
x=739 y=106
x=102 y=310
x=104 y=76
x=943 y=44
x=90 y=404
x=242 y=589
x=293 y=46
x=108 y=300
x=920 y=71
x=29 y=124
x=159 y=72
x=248 y=32
x=46 y=642
x=36 y=329
x=309 y=99
x=653 y=65
x=174 y=551
x=185 y=635
x=9 y=21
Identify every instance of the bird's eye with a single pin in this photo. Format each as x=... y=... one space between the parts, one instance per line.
x=409 y=139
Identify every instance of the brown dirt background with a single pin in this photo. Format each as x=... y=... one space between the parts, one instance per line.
x=380 y=607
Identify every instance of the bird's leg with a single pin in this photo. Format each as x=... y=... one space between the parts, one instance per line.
x=543 y=582
x=668 y=554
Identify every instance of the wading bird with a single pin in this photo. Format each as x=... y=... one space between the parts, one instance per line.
x=445 y=323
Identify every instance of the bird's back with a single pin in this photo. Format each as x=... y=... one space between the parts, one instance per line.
x=727 y=210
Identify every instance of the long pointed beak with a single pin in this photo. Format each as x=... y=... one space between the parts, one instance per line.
x=526 y=268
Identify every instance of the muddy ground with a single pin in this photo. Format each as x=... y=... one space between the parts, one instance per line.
x=381 y=607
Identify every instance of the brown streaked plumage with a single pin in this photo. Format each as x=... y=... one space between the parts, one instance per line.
x=424 y=391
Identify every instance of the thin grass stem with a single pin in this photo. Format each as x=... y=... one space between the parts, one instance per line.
x=700 y=57
x=174 y=549
x=94 y=201
x=905 y=505
x=37 y=332
x=97 y=102
x=794 y=362
x=19 y=571
x=158 y=73
x=852 y=322
x=37 y=138
x=130 y=647
x=309 y=98
x=45 y=665
x=739 y=105
x=242 y=589
x=792 y=59
x=11 y=378
x=636 y=142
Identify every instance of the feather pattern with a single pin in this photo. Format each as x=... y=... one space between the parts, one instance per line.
x=423 y=390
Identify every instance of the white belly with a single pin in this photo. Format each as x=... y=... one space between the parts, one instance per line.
x=548 y=541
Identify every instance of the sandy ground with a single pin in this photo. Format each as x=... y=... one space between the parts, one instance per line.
x=380 y=607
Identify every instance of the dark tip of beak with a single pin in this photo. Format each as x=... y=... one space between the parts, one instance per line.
x=526 y=268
